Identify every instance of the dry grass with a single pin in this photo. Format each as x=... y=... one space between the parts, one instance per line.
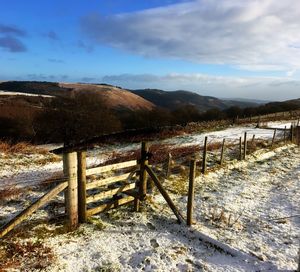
x=8 y=193
x=21 y=147
x=25 y=256
x=158 y=154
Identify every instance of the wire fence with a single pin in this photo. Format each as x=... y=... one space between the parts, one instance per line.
x=253 y=205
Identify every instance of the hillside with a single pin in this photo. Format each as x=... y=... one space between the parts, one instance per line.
x=119 y=98
x=294 y=102
x=114 y=97
x=176 y=99
x=47 y=111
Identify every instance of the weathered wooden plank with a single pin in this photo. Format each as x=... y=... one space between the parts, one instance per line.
x=190 y=206
x=245 y=146
x=70 y=171
x=81 y=161
x=107 y=181
x=273 y=139
x=204 y=159
x=222 y=152
x=109 y=193
x=32 y=208
x=111 y=205
x=112 y=167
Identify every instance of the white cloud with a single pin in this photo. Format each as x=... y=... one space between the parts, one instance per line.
x=249 y=34
x=267 y=88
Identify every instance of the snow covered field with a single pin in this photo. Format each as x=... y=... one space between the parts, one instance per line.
x=280 y=124
x=262 y=195
x=251 y=206
x=231 y=135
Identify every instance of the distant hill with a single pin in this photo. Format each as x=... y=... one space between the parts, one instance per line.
x=114 y=97
x=177 y=99
x=287 y=105
x=248 y=100
x=294 y=102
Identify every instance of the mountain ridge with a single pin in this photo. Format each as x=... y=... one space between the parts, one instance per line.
x=175 y=99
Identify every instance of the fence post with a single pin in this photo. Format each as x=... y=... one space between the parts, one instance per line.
x=252 y=143
x=292 y=133
x=81 y=160
x=70 y=171
x=273 y=139
x=222 y=152
x=189 y=218
x=245 y=145
x=168 y=166
x=284 y=134
x=204 y=159
x=142 y=185
x=240 y=157
x=258 y=122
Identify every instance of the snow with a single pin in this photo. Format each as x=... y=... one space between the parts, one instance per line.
x=231 y=135
x=255 y=192
x=249 y=208
x=25 y=94
x=282 y=124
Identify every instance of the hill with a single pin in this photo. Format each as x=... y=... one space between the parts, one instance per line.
x=114 y=98
x=295 y=102
x=177 y=99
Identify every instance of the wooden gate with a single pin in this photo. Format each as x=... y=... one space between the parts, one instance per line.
x=98 y=193
x=106 y=187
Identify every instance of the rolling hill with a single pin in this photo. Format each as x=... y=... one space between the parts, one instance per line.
x=176 y=99
x=114 y=97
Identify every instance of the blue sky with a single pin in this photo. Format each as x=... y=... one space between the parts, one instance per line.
x=224 y=48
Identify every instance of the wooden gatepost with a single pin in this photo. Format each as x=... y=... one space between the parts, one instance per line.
x=71 y=201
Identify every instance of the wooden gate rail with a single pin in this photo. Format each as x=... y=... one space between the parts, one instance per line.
x=164 y=193
x=108 y=181
x=112 y=193
x=112 y=167
x=114 y=203
x=32 y=208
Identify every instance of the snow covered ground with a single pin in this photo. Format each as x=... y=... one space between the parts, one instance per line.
x=231 y=135
x=251 y=206
x=281 y=124
x=260 y=201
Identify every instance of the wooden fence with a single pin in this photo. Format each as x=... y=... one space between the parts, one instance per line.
x=89 y=191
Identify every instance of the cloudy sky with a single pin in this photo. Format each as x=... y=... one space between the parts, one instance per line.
x=223 y=48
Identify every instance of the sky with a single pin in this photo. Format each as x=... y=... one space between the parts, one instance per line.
x=223 y=48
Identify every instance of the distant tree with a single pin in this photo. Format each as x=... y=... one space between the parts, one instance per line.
x=213 y=114
x=70 y=120
x=233 y=113
x=186 y=114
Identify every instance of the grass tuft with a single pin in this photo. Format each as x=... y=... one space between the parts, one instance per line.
x=25 y=256
x=7 y=147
